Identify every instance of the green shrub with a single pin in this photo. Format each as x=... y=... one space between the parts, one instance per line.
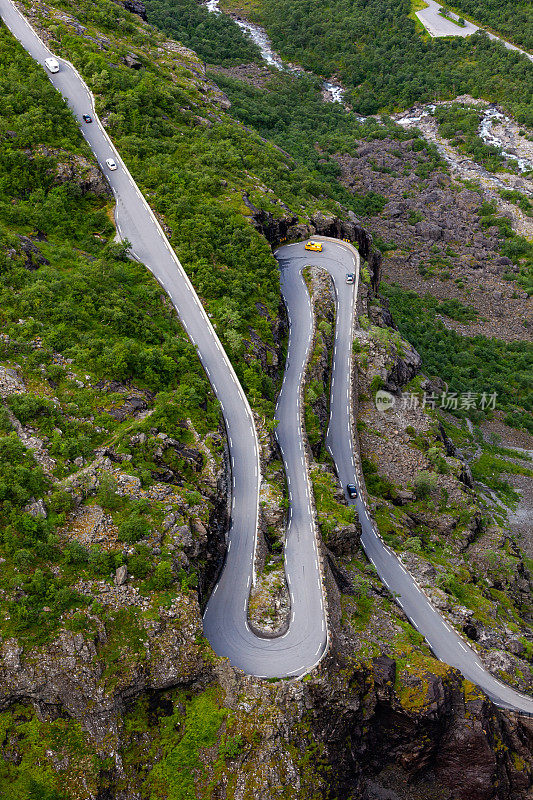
x=376 y=384
x=133 y=528
x=140 y=563
x=424 y=484
x=75 y=553
x=162 y=578
x=467 y=363
x=107 y=493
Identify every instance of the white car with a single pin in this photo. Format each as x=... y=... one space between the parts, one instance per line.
x=110 y=163
x=51 y=64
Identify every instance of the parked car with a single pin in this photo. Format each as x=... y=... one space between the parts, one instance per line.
x=350 y=277
x=52 y=65
x=110 y=163
x=87 y=118
x=316 y=246
x=351 y=488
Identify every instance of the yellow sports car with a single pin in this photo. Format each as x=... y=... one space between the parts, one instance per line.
x=316 y=246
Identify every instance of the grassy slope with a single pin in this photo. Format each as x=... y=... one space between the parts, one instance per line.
x=107 y=316
x=70 y=226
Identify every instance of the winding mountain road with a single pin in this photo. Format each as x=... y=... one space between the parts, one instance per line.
x=225 y=620
x=443 y=640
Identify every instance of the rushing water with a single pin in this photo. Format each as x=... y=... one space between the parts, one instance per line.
x=485 y=131
x=260 y=37
x=489 y=115
x=447 y=153
x=335 y=91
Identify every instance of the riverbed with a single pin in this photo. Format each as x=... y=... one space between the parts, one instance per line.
x=332 y=92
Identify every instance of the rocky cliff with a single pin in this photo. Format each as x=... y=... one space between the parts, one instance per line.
x=278 y=229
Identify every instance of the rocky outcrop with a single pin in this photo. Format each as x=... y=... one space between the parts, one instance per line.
x=403 y=370
x=451 y=450
x=441 y=245
x=33 y=258
x=74 y=169
x=134 y=6
x=277 y=229
x=63 y=676
x=214 y=549
x=402 y=737
x=10 y=382
x=131 y=61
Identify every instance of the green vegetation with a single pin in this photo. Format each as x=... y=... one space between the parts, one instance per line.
x=488 y=469
x=215 y=37
x=452 y=308
x=460 y=124
x=91 y=304
x=385 y=61
x=425 y=483
x=71 y=303
x=519 y=199
x=291 y=113
x=184 y=737
x=331 y=513
x=515 y=247
x=445 y=12
x=196 y=164
x=377 y=484
x=44 y=760
x=476 y=364
x=513 y=20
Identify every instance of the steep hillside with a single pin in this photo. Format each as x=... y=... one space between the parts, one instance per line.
x=113 y=481
x=385 y=61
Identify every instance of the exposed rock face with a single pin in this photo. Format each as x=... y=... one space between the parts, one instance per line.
x=424 y=742
x=10 y=383
x=288 y=227
x=403 y=370
x=74 y=169
x=64 y=674
x=131 y=61
x=33 y=256
x=135 y=6
x=442 y=247
x=121 y=575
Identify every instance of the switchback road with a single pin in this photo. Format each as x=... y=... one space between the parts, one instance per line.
x=443 y=640
x=225 y=620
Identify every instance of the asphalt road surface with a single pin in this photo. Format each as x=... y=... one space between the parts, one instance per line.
x=443 y=640
x=225 y=621
x=437 y=26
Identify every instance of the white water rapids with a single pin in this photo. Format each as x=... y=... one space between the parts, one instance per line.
x=489 y=116
x=333 y=92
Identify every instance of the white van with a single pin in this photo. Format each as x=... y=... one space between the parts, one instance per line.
x=51 y=64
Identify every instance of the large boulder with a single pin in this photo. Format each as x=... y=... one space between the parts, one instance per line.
x=428 y=231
